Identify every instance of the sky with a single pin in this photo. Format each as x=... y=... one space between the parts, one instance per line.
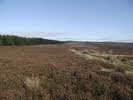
x=80 y=20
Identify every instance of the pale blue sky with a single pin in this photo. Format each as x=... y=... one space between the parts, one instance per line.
x=86 y=20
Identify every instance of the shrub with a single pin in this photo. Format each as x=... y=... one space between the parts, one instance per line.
x=119 y=69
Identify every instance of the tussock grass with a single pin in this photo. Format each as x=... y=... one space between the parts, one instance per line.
x=32 y=82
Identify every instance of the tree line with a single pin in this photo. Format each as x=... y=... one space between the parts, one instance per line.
x=16 y=40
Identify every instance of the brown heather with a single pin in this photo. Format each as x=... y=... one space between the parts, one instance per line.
x=53 y=72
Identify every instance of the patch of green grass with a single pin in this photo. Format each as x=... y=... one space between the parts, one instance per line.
x=128 y=65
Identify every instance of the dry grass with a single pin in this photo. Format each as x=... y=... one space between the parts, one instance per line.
x=117 y=60
x=32 y=82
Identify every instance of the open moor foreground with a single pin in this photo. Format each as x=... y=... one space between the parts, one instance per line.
x=74 y=71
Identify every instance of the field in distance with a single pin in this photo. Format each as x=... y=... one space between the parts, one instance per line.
x=71 y=71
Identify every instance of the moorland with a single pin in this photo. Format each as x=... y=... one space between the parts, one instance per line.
x=70 y=71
